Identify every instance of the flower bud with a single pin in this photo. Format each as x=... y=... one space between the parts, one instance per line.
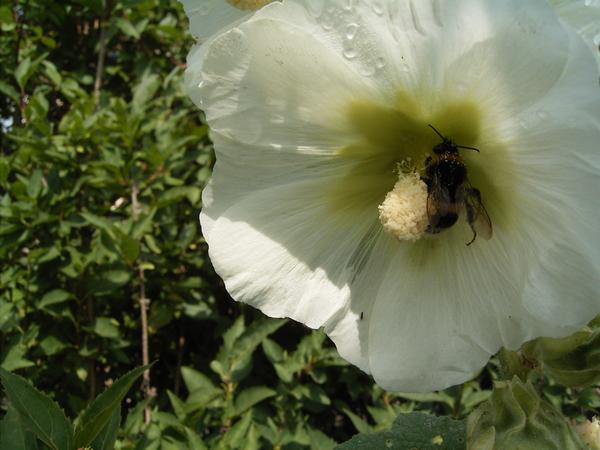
x=573 y=361
x=515 y=417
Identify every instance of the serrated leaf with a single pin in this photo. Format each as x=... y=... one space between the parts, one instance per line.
x=99 y=413
x=414 y=430
x=106 y=438
x=38 y=412
x=12 y=434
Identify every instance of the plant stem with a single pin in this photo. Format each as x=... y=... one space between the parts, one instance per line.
x=143 y=302
x=19 y=19
x=108 y=5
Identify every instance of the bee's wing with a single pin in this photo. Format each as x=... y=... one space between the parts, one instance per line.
x=439 y=204
x=477 y=216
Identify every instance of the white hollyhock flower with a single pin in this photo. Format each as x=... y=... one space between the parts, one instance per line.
x=313 y=106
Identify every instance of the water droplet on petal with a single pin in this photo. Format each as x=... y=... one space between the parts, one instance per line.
x=351 y=30
x=377 y=8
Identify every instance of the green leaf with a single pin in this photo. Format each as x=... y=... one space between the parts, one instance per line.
x=195 y=380
x=38 y=412
x=9 y=91
x=101 y=411
x=238 y=356
x=361 y=425
x=101 y=223
x=23 y=72
x=414 y=430
x=52 y=73
x=12 y=434
x=51 y=345
x=144 y=92
x=108 y=281
x=35 y=184
x=106 y=438
x=54 y=297
x=273 y=350
x=177 y=404
x=127 y=28
x=14 y=358
x=194 y=441
x=235 y=437
x=250 y=397
x=26 y=69
x=106 y=327
x=320 y=440
x=129 y=247
x=175 y=194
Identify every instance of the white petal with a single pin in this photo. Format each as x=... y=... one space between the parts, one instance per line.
x=279 y=250
x=209 y=17
x=453 y=45
x=247 y=78
x=584 y=16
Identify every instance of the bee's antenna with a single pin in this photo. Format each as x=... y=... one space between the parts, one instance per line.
x=437 y=132
x=445 y=139
x=468 y=148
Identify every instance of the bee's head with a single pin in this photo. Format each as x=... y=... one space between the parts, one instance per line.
x=446 y=147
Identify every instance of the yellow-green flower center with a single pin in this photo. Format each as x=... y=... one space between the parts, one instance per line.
x=392 y=134
x=248 y=5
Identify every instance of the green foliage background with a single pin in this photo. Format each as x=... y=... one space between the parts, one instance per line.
x=101 y=172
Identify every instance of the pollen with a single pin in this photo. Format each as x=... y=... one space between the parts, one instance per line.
x=248 y=5
x=403 y=213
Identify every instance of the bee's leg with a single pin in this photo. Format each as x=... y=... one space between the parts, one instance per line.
x=471 y=213
x=474 y=236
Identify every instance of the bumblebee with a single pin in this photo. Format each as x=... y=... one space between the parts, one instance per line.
x=449 y=192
